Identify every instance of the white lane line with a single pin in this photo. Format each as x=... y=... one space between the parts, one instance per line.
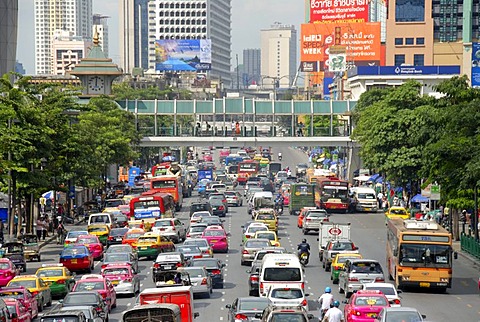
x=223 y=300
x=221 y=318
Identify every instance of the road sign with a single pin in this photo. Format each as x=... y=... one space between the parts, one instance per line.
x=435 y=192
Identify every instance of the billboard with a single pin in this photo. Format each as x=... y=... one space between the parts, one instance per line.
x=361 y=41
x=196 y=53
x=339 y=10
x=475 y=65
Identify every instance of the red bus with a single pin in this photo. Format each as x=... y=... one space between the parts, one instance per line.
x=331 y=194
x=247 y=169
x=160 y=169
x=152 y=204
x=171 y=185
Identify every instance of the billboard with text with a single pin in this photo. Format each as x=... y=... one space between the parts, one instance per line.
x=195 y=52
x=360 y=39
x=339 y=10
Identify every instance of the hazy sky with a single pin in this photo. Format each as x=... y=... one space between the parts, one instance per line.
x=248 y=18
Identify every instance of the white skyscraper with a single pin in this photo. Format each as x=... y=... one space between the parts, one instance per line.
x=279 y=55
x=199 y=19
x=73 y=16
x=100 y=26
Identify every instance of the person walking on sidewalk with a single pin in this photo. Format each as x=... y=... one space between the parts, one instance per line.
x=44 y=227
x=39 y=227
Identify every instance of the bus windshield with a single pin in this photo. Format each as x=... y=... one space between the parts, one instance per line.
x=330 y=192
x=158 y=184
x=248 y=166
x=425 y=255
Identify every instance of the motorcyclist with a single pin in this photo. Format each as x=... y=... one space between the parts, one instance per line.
x=325 y=301
x=303 y=247
x=334 y=314
x=280 y=156
x=279 y=202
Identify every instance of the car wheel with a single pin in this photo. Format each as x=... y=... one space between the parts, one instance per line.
x=24 y=268
x=242 y=263
x=38 y=258
x=40 y=306
x=305 y=231
x=340 y=289
x=327 y=268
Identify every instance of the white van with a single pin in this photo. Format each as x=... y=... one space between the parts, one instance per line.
x=282 y=270
x=365 y=198
x=102 y=218
x=257 y=195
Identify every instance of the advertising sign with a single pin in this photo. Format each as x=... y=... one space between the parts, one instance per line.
x=360 y=40
x=309 y=66
x=475 y=65
x=339 y=10
x=176 y=54
x=337 y=62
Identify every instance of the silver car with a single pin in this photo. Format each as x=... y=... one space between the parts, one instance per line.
x=312 y=220
x=393 y=314
x=200 y=279
x=200 y=243
x=251 y=247
x=196 y=230
x=358 y=272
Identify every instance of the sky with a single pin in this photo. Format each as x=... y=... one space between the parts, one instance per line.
x=248 y=18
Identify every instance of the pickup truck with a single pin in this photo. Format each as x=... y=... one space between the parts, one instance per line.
x=334 y=247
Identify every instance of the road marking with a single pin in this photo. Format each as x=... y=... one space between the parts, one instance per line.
x=141 y=285
x=469 y=305
x=464 y=283
x=223 y=300
x=221 y=318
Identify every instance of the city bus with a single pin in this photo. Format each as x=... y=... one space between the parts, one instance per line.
x=301 y=195
x=247 y=169
x=419 y=254
x=233 y=159
x=169 y=184
x=331 y=194
x=152 y=205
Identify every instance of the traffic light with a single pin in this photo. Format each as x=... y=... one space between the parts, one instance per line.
x=338 y=35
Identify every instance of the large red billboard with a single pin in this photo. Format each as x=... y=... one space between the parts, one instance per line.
x=338 y=10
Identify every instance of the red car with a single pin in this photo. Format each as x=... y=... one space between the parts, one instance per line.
x=96 y=282
x=7 y=271
x=217 y=238
x=77 y=258
x=23 y=295
x=18 y=312
x=93 y=243
x=365 y=305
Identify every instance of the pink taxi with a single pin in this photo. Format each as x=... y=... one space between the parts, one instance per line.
x=96 y=282
x=7 y=271
x=122 y=278
x=92 y=243
x=217 y=238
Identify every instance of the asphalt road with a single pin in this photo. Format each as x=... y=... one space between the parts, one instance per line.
x=461 y=303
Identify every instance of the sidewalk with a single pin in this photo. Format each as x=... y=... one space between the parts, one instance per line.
x=457 y=248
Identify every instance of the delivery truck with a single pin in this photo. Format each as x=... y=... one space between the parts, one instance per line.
x=179 y=295
x=329 y=231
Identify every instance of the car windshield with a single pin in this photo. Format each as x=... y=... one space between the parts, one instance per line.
x=343 y=259
x=113 y=203
x=367 y=267
x=288 y=317
x=256 y=305
x=119 y=249
x=198 y=242
x=75 y=299
x=254 y=229
x=287 y=294
x=89 y=286
x=213 y=233
x=116 y=257
x=425 y=255
x=75 y=234
x=24 y=283
x=12 y=295
x=189 y=250
x=100 y=219
x=370 y=196
x=197 y=229
x=147 y=239
x=383 y=289
x=61 y=319
x=73 y=251
x=342 y=246
x=116 y=271
x=316 y=214
x=370 y=300
x=133 y=235
x=265 y=217
x=195 y=272
x=397 y=212
x=118 y=232
x=87 y=240
x=50 y=273
x=266 y=235
x=205 y=263
x=257 y=244
x=163 y=223
x=274 y=274
x=402 y=316
x=97 y=229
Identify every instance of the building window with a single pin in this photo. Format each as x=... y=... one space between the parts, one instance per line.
x=399 y=60
x=420 y=41
x=398 y=41
x=409 y=10
x=418 y=60
x=408 y=41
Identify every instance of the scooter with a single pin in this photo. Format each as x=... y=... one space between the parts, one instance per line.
x=279 y=158
x=304 y=256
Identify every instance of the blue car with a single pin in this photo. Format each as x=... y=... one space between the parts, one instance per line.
x=202 y=186
x=77 y=258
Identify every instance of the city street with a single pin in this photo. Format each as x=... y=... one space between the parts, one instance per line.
x=368 y=233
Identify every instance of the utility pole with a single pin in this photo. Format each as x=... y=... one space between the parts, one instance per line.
x=238 y=75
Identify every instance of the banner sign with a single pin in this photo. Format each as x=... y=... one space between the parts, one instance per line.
x=339 y=10
x=337 y=63
x=197 y=53
x=475 y=65
x=309 y=66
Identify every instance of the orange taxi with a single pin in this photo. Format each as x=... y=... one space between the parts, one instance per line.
x=132 y=236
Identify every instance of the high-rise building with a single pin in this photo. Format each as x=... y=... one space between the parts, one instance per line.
x=199 y=19
x=251 y=66
x=377 y=12
x=100 y=26
x=74 y=16
x=279 y=55
x=67 y=51
x=8 y=35
x=134 y=31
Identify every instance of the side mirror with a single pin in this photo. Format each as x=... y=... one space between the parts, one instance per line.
x=258 y=315
x=248 y=271
x=60 y=301
x=306 y=294
x=14 y=316
x=196 y=315
x=424 y=316
x=344 y=301
x=228 y=306
x=223 y=265
x=318 y=239
x=310 y=316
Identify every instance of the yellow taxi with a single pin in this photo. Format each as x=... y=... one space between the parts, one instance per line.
x=151 y=244
x=257 y=157
x=396 y=212
x=36 y=286
x=57 y=277
x=268 y=217
x=270 y=235
x=145 y=224
x=338 y=264
x=101 y=231
x=264 y=162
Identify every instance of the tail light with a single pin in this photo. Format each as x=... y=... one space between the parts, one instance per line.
x=110 y=238
x=396 y=301
x=353 y=279
x=104 y=295
x=128 y=280
x=188 y=235
x=156 y=265
x=103 y=266
x=240 y=316
x=179 y=264
x=245 y=252
x=247 y=236
x=356 y=312
x=380 y=279
x=302 y=285
x=99 y=246
x=173 y=228
x=224 y=200
x=154 y=246
x=308 y=219
x=98 y=309
x=204 y=281
x=220 y=208
x=197 y=256
x=34 y=293
x=15 y=320
x=216 y=271
x=304 y=302
x=335 y=268
x=261 y=288
x=60 y=281
x=254 y=278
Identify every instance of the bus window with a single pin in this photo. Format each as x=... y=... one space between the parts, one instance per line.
x=158 y=184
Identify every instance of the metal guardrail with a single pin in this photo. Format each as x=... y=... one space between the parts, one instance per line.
x=470 y=245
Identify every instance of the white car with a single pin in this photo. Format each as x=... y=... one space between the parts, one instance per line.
x=196 y=230
x=200 y=243
x=72 y=236
x=200 y=279
x=388 y=289
x=288 y=296
x=253 y=228
x=197 y=216
x=172 y=228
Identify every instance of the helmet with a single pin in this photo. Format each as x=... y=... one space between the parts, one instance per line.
x=336 y=303
x=304 y=240
x=328 y=289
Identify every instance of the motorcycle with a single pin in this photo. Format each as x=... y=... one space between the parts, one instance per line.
x=304 y=256
x=279 y=158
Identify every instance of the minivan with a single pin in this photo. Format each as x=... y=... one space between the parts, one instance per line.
x=102 y=218
x=282 y=270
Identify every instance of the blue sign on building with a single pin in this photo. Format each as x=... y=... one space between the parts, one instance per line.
x=475 y=64
x=132 y=173
x=404 y=70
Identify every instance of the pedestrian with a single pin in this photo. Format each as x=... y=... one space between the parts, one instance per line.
x=44 y=227
x=60 y=233
x=39 y=227
x=237 y=128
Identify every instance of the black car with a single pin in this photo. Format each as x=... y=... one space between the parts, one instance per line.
x=167 y=262
x=217 y=208
x=254 y=280
x=91 y=298
x=246 y=306
x=212 y=221
x=214 y=268
x=198 y=206
x=121 y=220
x=67 y=315
x=115 y=236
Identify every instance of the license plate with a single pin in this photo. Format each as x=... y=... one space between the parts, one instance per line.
x=115 y=282
x=73 y=261
x=372 y=315
x=368 y=209
x=213 y=241
x=424 y=284
x=167 y=267
x=119 y=239
x=143 y=248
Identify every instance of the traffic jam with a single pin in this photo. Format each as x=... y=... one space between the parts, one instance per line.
x=102 y=263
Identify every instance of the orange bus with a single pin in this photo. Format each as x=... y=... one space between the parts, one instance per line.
x=247 y=169
x=152 y=204
x=419 y=253
x=171 y=185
